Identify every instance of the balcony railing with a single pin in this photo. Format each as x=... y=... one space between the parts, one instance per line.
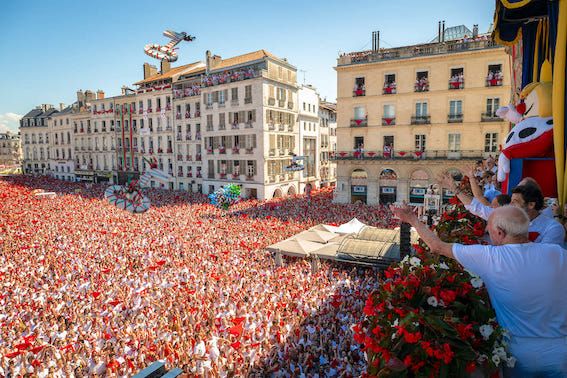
x=247 y=100
x=490 y=117
x=460 y=84
x=235 y=126
x=290 y=105
x=420 y=120
x=408 y=155
x=388 y=121
x=271 y=126
x=359 y=122
x=359 y=92
x=234 y=102
x=248 y=125
x=494 y=82
x=249 y=150
x=222 y=126
x=389 y=89
x=421 y=87
x=271 y=101
x=455 y=118
x=235 y=150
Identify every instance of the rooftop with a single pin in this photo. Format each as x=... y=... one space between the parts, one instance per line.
x=174 y=71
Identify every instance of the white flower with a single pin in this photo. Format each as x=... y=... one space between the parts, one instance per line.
x=477 y=282
x=394 y=335
x=511 y=362
x=482 y=358
x=496 y=359
x=415 y=261
x=432 y=266
x=444 y=266
x=486 y=330
x=432 y=301
x=404 y=260
x=500 y=352
x=395 y=323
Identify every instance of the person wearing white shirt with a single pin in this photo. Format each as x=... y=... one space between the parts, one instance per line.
x=542 y=228
x=525 y=282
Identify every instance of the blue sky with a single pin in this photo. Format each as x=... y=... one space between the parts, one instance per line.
x=50 y=49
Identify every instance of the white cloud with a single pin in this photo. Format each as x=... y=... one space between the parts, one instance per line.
x=9 y=122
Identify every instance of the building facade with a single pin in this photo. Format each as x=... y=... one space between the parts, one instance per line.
x=328 y=138
x=406 y=114
x=34 y=135
x=309 y=137
x=10 y=149
x=62 y=144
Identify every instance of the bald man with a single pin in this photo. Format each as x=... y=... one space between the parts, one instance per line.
x=526 y=283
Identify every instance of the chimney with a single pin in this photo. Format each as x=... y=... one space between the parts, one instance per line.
x=165 y=66
x=208 y=60
x=375 y=40
x=61 y=106
x=443 y=32
x=100 y=94
x=475 y=31
x=80 y=97
x=89 y=95
x=149 y=70
x=439 y=32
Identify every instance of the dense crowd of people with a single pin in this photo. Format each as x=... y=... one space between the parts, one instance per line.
x=91 y=290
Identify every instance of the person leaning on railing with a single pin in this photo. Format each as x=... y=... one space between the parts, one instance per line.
x=543 y=229
x=525 y=282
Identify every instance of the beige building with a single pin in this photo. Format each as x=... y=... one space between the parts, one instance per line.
x=34 y=135
x=309 y=137
x=10 y=149
x=406 y=114
x=328 y=138
x=62 y=143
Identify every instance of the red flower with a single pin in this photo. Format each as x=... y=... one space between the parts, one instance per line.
x=412 y=338
x=471 y=367
x=447 y=354
x=454 y=200
x=448 y=296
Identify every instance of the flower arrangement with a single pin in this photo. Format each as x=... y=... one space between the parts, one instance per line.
x=430 y=316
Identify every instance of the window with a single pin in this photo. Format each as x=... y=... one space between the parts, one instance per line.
x=490 y=142
x=248 y=94
x=389 y=111
x=421 y=109
x=390 y=78
x=358 y=142
x=492 y=104
x=455 y=107
x=234 y=94
x=359 y=86
x=420 y=142
x=359 y=112
x=454 y=142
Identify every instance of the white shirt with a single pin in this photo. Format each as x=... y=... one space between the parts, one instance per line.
x=548 y=229
x=526 y=283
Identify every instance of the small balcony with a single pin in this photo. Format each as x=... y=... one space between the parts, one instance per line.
x=494 y=82
x=271 y=126
x=222 y=150
x=235 y=150
x=188 y=137
x=249 y=150
x=235 y=176
x=178 y=116
x=248 y=125
x=455 y=118
x=359 y=92
x=290 y=105
x=235 y=126
x=222 y=127
x=208 y=106
x=210 y=150
x=222 y=175
x=421 y=87
x=389 y=89
x=420 y=120
x=456 y=84
x=197 y=114
x=281 y=103
x=179 y=157
x=222 y=104
x=363 y=122
x=271 y=101
x=388 y=121
x=490 y=117
x=199 y=175
x=187 y=115
x=248 y=100
x=198 y=157
x=189 y=158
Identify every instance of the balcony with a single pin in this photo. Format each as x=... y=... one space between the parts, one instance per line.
x=198 y=157
x=178 y=138
x=235 y=150
x=199 y=174
x=247 y=100
x=290 y=128
x=197 y=114
x=222 y=150
x=456 y=84
x=235 y=126
x=359 y=122
x=435 y=48
x=189 y=158
x=222 y=127
x=389 y=88
x=494 y=82
x=420 y=120
x=359 y=92
x=388 y=121
x=272 y=152
x=290 y=105
x=271 y=126
x=208 y=106
x=490 y=117
x=248 y=125
x=421 y=87
x=249 y=177
x=222 y=175
x=455 y=118
x=235 y=176
x=179 y=157
x=187 y=115
x=188 y=137
x=249 y=150
x=209 y=128
x=198 y=136
x=234 y=102
x=271 y=101
x=210 y=150
x=178 y=116
x=222 y=104
x=409 y=155
x=281 y=127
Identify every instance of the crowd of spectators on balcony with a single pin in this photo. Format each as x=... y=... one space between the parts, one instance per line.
x=193 y=90
x=227 y=77
x=422 y=84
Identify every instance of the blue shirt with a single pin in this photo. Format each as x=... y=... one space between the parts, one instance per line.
x=526 y=284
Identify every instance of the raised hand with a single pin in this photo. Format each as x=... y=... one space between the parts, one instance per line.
x=404 y=212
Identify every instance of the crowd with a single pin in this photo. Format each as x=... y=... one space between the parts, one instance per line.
x=227 y=77
x=87 y=289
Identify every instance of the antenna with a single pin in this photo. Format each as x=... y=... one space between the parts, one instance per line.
x=303 y=72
